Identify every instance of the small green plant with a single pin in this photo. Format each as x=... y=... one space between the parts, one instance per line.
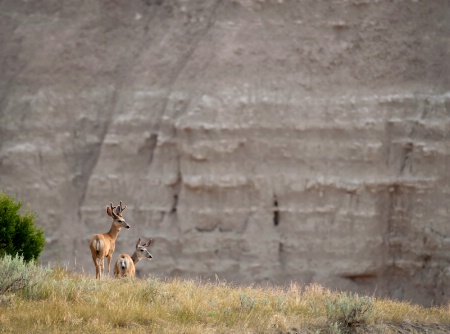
x=348 y=311
x=281 y=305
x=247 y=302
x=18 y=234
x=18 y=275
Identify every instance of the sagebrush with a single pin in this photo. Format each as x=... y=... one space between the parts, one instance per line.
x=16 y=275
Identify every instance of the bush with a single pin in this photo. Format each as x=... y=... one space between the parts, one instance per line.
x=348 y=311
x=18 y=235
x=18 y=275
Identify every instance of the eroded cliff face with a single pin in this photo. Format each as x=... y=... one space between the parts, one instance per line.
x=259 y=141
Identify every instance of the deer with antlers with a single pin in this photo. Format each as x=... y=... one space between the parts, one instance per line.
x=125 y=264
x=102 y=245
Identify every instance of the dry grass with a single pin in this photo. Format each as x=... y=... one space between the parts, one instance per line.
x=64 y=302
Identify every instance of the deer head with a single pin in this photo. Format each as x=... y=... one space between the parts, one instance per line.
x=123 y=263
x=116 y=214
x=141 y=250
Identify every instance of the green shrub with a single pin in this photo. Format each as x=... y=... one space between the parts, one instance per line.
x=18 y=275
x=348 y=311
x=247 y=302
x=18 y=234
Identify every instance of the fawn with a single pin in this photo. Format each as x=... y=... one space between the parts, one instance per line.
x=125 y=264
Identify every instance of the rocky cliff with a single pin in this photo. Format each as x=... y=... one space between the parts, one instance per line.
x=259 y=141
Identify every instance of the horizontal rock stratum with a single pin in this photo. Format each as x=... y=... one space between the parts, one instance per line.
x=259 y=141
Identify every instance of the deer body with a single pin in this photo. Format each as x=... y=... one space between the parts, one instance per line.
x=102 y=245
x=125 y=264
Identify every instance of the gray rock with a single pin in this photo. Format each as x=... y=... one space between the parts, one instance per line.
x=259 y=141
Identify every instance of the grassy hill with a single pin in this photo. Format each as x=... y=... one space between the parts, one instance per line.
x=34 y=299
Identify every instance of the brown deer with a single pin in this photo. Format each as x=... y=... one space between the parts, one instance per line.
x=125 y=264
x=102 y=245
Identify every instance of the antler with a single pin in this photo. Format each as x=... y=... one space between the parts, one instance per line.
x=120 y=209
x=112 y=209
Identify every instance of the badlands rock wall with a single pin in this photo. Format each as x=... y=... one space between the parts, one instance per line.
x=259 y=141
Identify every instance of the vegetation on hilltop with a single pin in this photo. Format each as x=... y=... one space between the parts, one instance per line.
x=56 y=301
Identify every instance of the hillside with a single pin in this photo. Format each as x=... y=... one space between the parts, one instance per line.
x=43 y=300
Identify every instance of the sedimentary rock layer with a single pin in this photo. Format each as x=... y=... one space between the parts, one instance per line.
x=259 y=141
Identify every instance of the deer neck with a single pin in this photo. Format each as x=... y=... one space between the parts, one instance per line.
x=135 y=258
x=114 y=231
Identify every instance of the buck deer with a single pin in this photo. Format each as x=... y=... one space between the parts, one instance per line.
x=102 y=245
x=125 y=264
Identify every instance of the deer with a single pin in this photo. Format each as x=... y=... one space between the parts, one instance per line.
x=103 y=245
x=125 y=264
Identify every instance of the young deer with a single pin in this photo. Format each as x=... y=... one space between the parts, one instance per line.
x=102 y=245
x=125 y=264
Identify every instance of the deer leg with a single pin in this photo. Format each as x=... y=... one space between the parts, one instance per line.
x=102 y=268
x=97 y=266
x=109 y=263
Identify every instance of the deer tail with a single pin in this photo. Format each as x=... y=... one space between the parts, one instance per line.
x=98 y=246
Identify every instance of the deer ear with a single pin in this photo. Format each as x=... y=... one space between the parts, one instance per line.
x=111 y=211
x=117 y=210
x=148 y=243
x=138 y=243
